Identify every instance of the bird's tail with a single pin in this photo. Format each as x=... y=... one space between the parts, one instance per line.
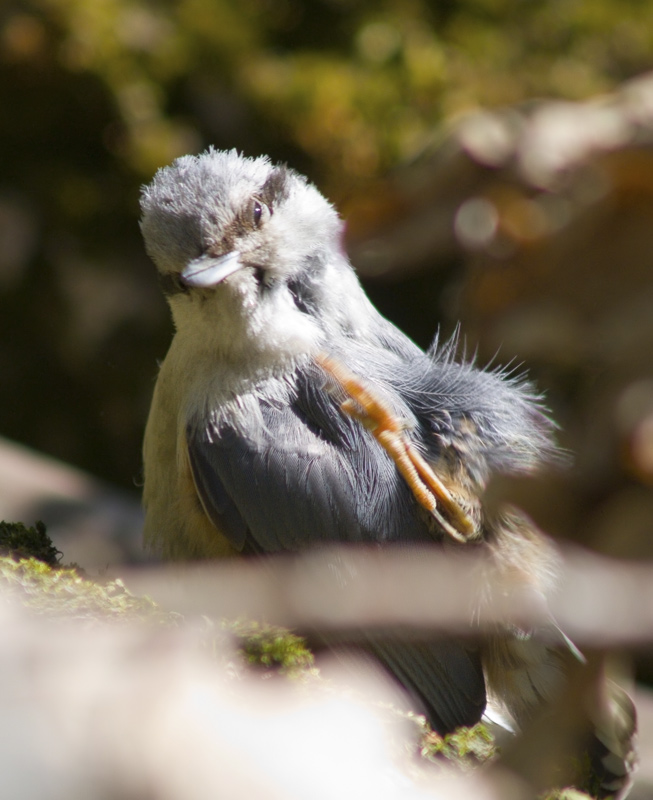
x=611 y=749
x=578 y=727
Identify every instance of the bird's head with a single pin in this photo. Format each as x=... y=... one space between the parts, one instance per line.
x=249 y=253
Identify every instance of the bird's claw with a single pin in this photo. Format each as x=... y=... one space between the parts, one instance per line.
x=364 y=405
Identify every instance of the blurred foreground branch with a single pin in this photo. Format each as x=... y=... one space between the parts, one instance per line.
x=134 y=711
x=600 y=602
x=146 y=709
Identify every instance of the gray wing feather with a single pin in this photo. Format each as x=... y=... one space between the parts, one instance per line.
x=445 y=676
x=307 y=475
x=311 y=475
x=217 y=503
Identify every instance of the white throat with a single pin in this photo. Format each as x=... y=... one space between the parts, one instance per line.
x=233 y=325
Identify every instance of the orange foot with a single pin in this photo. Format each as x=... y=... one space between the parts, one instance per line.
x=390 y=432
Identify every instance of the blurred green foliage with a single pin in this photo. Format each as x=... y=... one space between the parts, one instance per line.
x=355 y=85
x=96 y=94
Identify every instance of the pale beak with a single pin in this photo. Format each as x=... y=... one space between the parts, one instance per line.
x=208 y=270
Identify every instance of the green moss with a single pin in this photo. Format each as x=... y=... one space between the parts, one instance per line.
x=466 y=747
x=19 y=541
x=269 y=647
x=64 y=592
x=566 y=794
x=30 y=574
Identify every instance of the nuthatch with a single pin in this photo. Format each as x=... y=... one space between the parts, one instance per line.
x=249 y=447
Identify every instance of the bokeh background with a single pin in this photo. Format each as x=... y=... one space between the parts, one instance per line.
x=360 y=95
x=493 y=160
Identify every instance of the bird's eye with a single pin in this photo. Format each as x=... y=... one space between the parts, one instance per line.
x=260 y=212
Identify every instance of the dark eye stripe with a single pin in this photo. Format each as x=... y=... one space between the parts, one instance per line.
x=276 y=187
x=302 y=296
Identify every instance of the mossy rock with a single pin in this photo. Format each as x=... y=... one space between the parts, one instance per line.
x=31 y=575
x=272 y=648
x=20 y=541
x=465 y=747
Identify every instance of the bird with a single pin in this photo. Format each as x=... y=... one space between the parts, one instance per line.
x=289 y=413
